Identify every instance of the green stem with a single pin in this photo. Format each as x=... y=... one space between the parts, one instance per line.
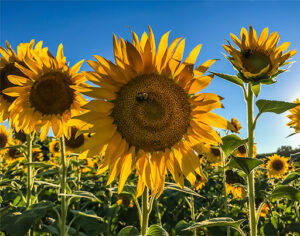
x=158 y=213
x=29 y=170
x=250 y=177
x=63 y=188
x=224 y=188
x=145 y=212
x=193 y=214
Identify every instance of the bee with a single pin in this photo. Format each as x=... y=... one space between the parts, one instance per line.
x=142 y=97
x=247 y=53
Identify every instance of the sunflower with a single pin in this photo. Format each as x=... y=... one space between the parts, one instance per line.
x=258 y=59
x=236 y=125
x=5 y=139
x=8 y=67
x=48 y=96
x=148 y=114
x=54 y=148
x=242 y=151
x=210 y=152
x=265 y=210
x=233 y=180
x=37 y=154
x=13 y=154
x=125 y=200
x=277 y=166
x=295 y=117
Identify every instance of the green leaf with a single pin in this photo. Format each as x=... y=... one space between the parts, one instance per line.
x=231 y=142
x=182 y=225
x=89 y=213
x=285 y=191
x=129 y=231
x=173 y=186
x=245 y=164
x=231 y=78
x=256 y=89
x=277 y=107
x=221 y=221
x=128 y=190
x=156 y=230
x=82 y=194
x=291 y=177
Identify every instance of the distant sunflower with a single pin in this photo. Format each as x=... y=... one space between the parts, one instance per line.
x=232 y=181
x=8 y=67
x=5 y=139
x=242 y=151
x=13 y=154
x=54 y=148
x=48 y=96
x=37 y=154
x=265 y=210
x=211 y=153
x=21 y=136
x=148 y=113
x=295 y=117
x=277 y=166
x=258 y=59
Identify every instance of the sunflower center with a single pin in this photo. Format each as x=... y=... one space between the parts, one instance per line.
x=74 y=142
x=56 y=147
x=20 y=136
x=51 y=94
x=255 y=61
x=215 y=151
x=152 y=112
x=3 y=140
x=277 y=165
x=9 y=69
x=242 y=149
x=14 y=153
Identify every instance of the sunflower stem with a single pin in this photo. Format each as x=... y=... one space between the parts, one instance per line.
x=250 y=177
x=145 y=211
x=63 y=188
x=224 y=187
x=193 y=214
x=29 y=169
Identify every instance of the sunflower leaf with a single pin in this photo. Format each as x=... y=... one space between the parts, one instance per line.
x=214 y=222
x=129 y=231
x=277 y=107
x=245 y=164
x=256 y=89
x=231 y=142
x=128 y=190
x=231 y=78
x=284 y=191
x=173 y=186
x=156 y=230
x=291 y=177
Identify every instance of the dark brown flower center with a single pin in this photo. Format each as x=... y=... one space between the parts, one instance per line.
x=51 y=94
x=254 y=62
x=9 y=69
x=215 y=151
x=20 y=136
x=14 y=153
x=277 y=165
x=3 y=140
x=152 y=112
x=242 y=149
x=56 y=147
x=75 y=142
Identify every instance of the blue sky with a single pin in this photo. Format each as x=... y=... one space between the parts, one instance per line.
x=86 y=27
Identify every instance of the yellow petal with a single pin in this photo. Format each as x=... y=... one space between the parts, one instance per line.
x=193 y=55
x=126 y=168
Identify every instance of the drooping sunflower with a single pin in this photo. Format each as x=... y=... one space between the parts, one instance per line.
x=295 y=117
x=8 y=67
x=147 y=113
x=277 y=166
x=5 y=139
x=258 y=59
x=233 y=182
x=236 y=125
x=48 y=96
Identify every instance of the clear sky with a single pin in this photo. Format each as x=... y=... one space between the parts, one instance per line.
x=86 y=27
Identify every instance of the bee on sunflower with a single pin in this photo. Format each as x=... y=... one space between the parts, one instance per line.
x=148 y=113
x=258 y=59
x=295 y=117
x=277 y=166
x=46 y=93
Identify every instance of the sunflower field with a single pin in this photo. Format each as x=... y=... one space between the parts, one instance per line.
x=133 y=146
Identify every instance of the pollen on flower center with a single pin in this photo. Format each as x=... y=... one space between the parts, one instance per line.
x=255 y=61
x=152 y=112
x=3 y=140
x=74 y=142
x=277 y=165
x=9 y=69
x=51 y=94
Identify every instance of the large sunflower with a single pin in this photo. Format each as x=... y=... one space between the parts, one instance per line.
x=277 y=166
x=258 y=59
x=8 y=67
x=48 y=96
x=295 y=117
x=148 y=113
x=5 y=139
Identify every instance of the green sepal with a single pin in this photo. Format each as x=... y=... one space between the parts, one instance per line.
x=231 y=78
